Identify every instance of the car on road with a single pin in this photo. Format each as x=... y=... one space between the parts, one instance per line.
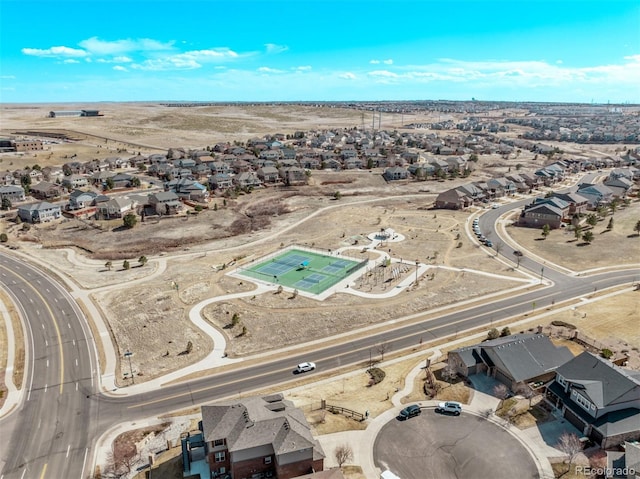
x=489 y=243
x=517 y=253
x=409 y=411
x=304 y=367
x=495 y=206
x=449 y=407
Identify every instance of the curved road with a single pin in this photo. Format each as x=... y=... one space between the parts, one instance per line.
x=63 y=413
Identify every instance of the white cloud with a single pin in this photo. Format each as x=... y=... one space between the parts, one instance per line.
x=388 y=62
x=383 y=74
x=116 y=47
x=70 y=60
x=59 y=51
x=7 y=77
x=120 y=68
x=304 y=68
x=347 y=76
x=269 y=70
x=120 y=59
x=374 y=62
x=188 y=60
x=273 y=48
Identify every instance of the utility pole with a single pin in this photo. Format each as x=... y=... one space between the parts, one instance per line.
x=128 y=355
x=417 y=264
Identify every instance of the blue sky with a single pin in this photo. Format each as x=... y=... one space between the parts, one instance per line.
x=323 y=50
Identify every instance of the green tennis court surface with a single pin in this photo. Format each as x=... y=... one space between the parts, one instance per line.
x=303 y=270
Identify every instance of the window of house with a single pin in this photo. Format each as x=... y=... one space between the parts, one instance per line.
x=267 y=460
x=562 y=381
x=219 y=457
x=222 y=470
x=218 y=442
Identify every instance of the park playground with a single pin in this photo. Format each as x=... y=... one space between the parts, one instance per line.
x=303 y=270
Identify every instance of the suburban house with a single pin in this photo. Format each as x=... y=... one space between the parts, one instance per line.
x=544 y=211
x=220 y=181
x=293 y=175
x=75 y=181
x=578 y=204
x=259 y=437
x=596 y=194
x=114 y=208
x=39 y=212
x=45 y=190
x=248 y=179
x=513 y=360
x=165 y=203
x=600 y=399
x=396 y=173
x=502 y=187
x=79 y=199
x=12 y=193
x=188 y=189
x=619 y=187
x=268 y=174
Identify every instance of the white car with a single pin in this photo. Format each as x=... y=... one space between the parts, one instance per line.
x=449 y=407
x=305 y=367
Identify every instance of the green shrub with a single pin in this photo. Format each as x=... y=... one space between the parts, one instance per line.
x=493 y=334
x=606 y=353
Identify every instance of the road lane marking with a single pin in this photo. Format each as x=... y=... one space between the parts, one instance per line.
x=84 y=462
x=46 y=386
x=46 y=343
x=44 y=471
x=38 y=312
x=74 y=343
x=47 y=363
x=69 y=325
x=76 y=361
x=76 y=386
x=68 y=449
x=42 y=325
x=23 y=473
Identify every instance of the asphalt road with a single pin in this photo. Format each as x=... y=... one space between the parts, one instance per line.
x=50 y=434
x=53 y=432
x=451 y=447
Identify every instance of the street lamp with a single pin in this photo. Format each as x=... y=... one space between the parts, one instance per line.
x=417 y=264
x=128 y=355
x=541 y=273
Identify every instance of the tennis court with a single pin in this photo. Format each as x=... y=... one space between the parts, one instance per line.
x=302 y=270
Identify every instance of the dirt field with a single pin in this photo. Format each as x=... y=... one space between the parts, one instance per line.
x=617 y=247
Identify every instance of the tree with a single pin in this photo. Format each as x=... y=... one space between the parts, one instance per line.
x=108 y=265
x=449 y=372
x=135 y=182
x=109 y=184
x=592 y=219
x=337 y=195
x=587 y=237
x=6 y=203
x=570 y=444
x=613 y=206
x=126 y=265
x=577 y=232
x=546 y=229
x=142 y=260
x=493 y=334
x=601 y=211
x=610 y=224
x=3 y=238
x=382 y=348
x=343 y=453
x=505 y=332
x=189 y=347
x=235 y=319
x=636 y=228
x=130 y=220
x=526 y=391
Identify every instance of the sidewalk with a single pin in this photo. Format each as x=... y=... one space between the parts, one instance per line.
x=14 y=395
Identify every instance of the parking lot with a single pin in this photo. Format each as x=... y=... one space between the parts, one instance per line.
x=434 y=445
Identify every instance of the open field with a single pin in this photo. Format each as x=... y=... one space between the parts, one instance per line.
x=617 y=247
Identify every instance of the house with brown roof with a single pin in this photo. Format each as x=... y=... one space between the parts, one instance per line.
x=259 y=437
x=45 y=190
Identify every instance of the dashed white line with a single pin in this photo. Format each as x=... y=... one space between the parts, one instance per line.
x=74 y=341
x=42 y=325
x=69 y=325
x=46 y=386
x=38 y=312
x=68 y=449
x=76 y=361
x=47 y=363
x=76 y=386
x=46 y=343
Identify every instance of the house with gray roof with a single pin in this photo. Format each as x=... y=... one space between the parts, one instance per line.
x=513 y=360
x=596 y=194
x=79 y=199
x=39 y=212
x=12 y=193
x=259 y=437
x=599 y=398
x=165 y=203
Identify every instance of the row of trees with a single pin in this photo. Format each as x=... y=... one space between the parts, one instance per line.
x=126 y=264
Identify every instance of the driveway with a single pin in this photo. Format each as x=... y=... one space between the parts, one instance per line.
x=450 y=447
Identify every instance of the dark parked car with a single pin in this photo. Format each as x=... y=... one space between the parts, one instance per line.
x=410 y=411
